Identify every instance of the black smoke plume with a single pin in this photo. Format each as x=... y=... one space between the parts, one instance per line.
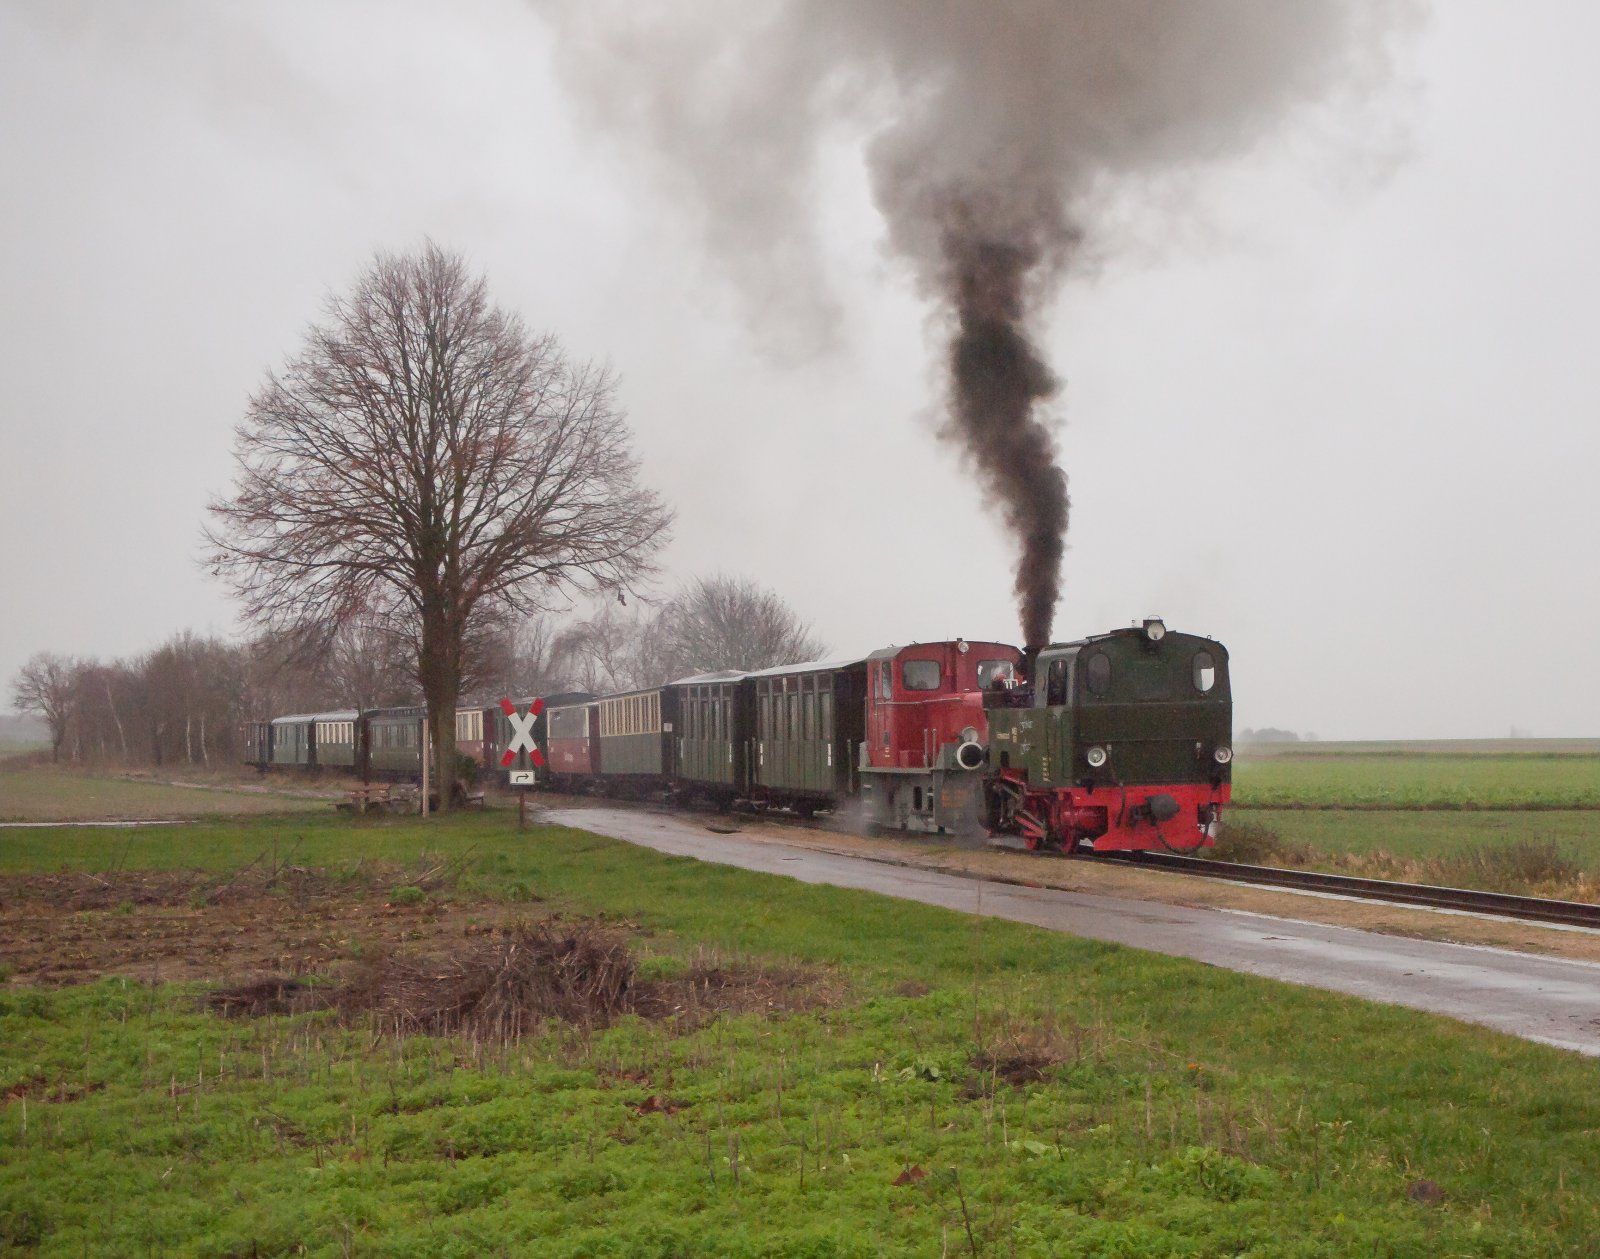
x=1006 y=142
x=997 y=378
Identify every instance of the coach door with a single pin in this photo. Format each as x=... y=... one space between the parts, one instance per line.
x=591 y=729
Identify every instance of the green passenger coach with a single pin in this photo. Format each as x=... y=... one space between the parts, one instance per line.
x=809 y=724
x=636 y=734
x=712 y=758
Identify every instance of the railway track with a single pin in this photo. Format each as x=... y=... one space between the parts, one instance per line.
x=1468 y=900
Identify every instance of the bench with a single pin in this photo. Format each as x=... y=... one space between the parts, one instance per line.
x=395 y=798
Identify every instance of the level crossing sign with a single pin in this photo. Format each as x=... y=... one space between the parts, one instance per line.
x=521 y=739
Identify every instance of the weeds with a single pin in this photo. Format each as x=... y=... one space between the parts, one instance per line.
x=1525 y=866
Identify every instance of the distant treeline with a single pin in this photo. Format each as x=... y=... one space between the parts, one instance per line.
x=184 y=702
x=1271 y=734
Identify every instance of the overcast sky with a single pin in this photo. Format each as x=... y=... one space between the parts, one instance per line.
x=1343 y=420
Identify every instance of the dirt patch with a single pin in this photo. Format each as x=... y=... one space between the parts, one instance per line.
x=37 y=1088
x=270 y=994
x=714 y=985
x=1024 y=1055
x=498 y=987
x=263 y=919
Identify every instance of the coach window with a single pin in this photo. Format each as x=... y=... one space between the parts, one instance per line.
x=1098 y=674
x=920 y=675
x=1205 y=671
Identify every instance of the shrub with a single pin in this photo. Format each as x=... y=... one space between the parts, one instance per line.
x=1252 y=844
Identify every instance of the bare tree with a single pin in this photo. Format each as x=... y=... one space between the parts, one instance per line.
x=426 y=459
x=727 y=622
x=530 y=657
x=368 y=665
x=711 y=623
x=601 y=653
x=46 y=685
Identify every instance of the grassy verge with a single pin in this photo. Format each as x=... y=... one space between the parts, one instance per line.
x=969 y=1087
x=1534 y=853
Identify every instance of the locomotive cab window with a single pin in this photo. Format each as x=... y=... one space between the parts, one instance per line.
x=1205 y=672
x=1055 y=688
x=1097 y=674
x=992 y=673
x=920 y=675
x=885 y=687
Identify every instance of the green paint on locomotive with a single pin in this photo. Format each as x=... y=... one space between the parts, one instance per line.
x=1158 y=709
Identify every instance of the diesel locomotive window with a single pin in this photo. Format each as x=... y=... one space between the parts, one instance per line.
x=1205 y=671
x=1097 y=674
x=884 y=686
x=992 y=671
x=1151 y=677
x=920 y=675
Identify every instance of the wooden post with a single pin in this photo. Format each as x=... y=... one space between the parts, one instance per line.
x=427 y=748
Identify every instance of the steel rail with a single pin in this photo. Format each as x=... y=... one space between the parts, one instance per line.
x=1468 y=900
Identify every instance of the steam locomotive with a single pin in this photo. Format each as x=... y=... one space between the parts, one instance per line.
x=1118 y=742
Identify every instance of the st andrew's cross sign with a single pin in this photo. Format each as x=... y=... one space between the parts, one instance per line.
x=521 y=738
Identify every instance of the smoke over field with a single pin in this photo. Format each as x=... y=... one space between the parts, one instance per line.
x=996 y=134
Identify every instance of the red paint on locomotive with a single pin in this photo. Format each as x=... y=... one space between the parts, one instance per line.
x=911 y=716
x=1117 y=819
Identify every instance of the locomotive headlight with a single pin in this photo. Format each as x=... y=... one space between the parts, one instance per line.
x=1096 y=756
x=1154 y=629
x=969 y=734
x=1222 y=755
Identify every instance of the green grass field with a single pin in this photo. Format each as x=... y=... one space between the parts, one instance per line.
x=1411 y=780
x=1161 y=1107
x=1424 y=747
x=1427 y=811
x=45 y=794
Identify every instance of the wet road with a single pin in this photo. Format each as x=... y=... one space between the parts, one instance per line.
x=1551 y=1000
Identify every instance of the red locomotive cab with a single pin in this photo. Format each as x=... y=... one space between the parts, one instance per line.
x=927 y=732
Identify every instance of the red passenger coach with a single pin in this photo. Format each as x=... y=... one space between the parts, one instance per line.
x=927 y=735
x=475 y=737
x=574 y=734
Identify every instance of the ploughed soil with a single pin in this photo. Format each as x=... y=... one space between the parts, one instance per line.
x=69 y=928
x=511 y=981
x=400 y=947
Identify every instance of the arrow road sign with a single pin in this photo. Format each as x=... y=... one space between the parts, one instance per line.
x=521 y=739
